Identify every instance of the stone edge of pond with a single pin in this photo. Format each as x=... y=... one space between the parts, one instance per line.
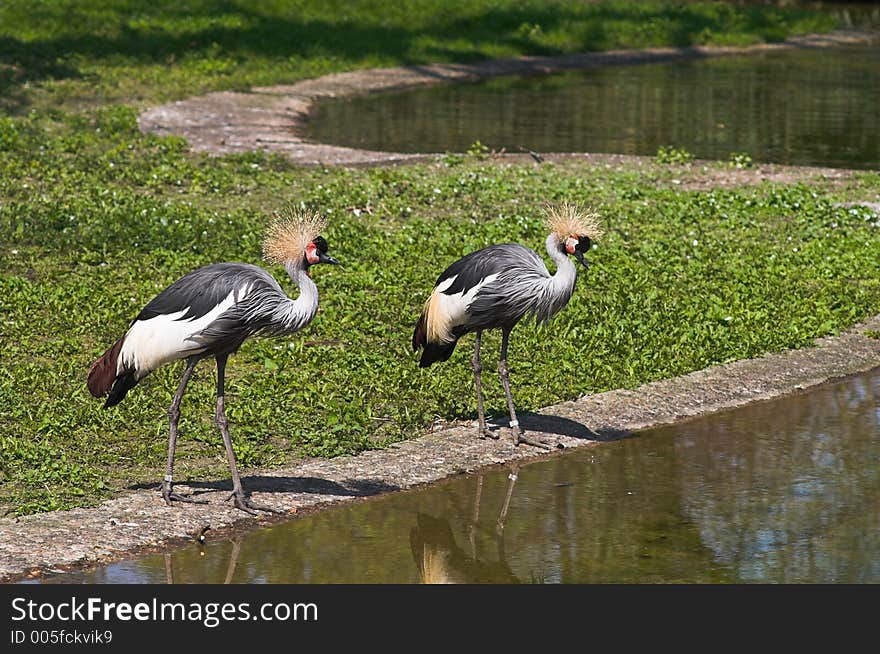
x=139 y=523
x=271 y=118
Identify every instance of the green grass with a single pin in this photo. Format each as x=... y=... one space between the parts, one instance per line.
x=668 y=154
x=96 y=218
x=81 y=53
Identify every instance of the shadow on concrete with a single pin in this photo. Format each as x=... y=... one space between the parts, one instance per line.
x=271 y=484
x=549 y=424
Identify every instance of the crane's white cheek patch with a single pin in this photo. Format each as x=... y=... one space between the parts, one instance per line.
x=162 y=339
x=446 y=312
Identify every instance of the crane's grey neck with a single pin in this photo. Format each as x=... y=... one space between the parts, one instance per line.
x=560 y=285
x=299 y=312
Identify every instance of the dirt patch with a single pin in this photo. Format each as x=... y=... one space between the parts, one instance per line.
x=140 y=522
x=699 y=174
x=271 y=118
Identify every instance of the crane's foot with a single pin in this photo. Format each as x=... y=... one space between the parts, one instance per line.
x=521 y=439
x=170 y=496
x=483 y=432
x=241 y=501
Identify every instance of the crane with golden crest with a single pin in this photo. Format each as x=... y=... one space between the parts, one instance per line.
x=210 y=312
x=495 y=288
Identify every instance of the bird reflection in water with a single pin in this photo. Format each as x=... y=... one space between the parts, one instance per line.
x=439 y=558
x=230 y=566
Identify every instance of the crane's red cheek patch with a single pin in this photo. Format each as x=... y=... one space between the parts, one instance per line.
x=570 y=245
x=311 y=253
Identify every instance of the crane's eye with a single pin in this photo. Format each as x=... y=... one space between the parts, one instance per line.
x=320 y=243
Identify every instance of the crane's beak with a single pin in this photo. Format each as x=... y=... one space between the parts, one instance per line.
x=580 y=257
x=326 y=258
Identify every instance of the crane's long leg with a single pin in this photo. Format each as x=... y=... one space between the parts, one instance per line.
x=472 y=528
x=173 y=418
x=240 y=500
x=519 y=437
x=169 y=571
x=483 y=432
x=233 y=559
x=502 y=517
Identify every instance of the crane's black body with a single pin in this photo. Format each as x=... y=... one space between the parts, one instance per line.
x=468 y=273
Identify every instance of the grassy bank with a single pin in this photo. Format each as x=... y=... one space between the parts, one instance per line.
x=76 y=53
x=95 y=218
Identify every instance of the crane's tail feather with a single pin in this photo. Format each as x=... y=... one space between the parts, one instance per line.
x=121 y=386
x=433 y=352
x=104 y=380
x=102 y=374
x=420 y=335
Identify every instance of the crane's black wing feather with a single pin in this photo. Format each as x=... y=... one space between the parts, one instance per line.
x=203 y=289
x=473 y=268
x=506 y=260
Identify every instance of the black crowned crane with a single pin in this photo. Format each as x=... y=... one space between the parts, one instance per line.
x=498 y=286
x=209 y=313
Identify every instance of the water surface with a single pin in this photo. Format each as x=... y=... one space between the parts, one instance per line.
x=781 y=491
x=803 y=107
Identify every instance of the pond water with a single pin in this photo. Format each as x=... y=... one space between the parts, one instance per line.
x=804 y=107
x=779 y=491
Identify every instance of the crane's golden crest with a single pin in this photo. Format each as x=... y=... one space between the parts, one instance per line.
x=290 y=231
x=566 y=219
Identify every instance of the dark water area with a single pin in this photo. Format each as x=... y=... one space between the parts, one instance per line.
x=785 y=491
x=803 y=107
